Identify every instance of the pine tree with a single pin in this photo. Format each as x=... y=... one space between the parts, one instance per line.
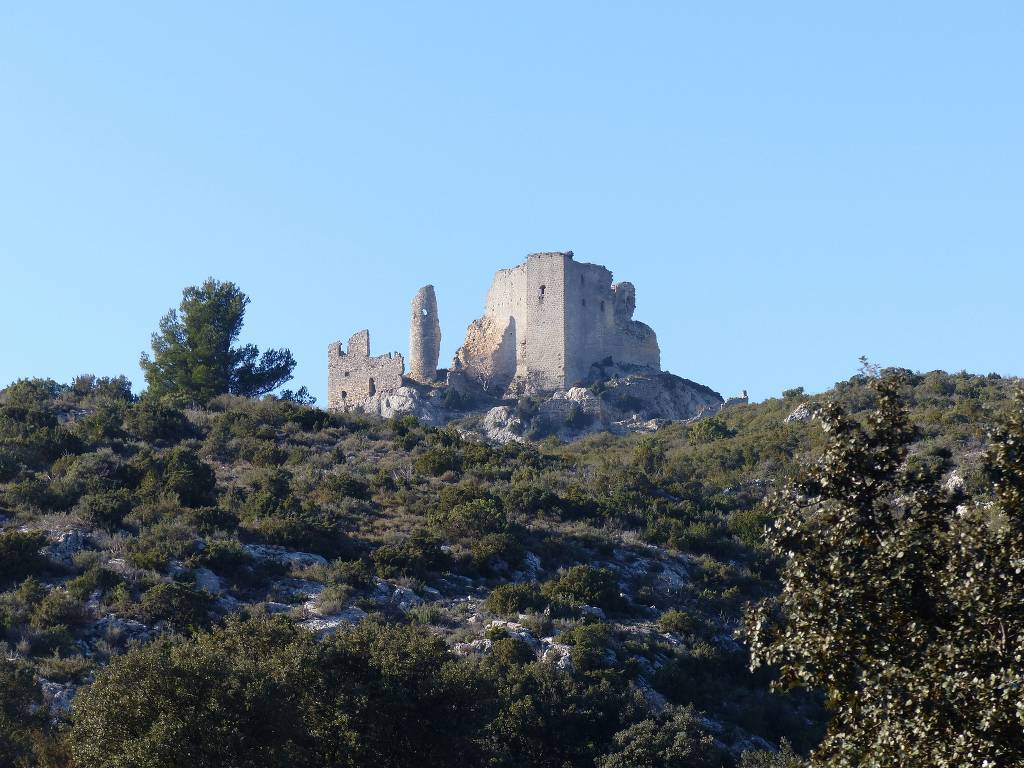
x=193 y=352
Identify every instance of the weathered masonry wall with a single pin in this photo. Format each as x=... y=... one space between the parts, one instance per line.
x=354 y=375
x=424 y=336
x=545 y=321
x=589 y=319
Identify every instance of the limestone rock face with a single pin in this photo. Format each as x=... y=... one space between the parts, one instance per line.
x=424 y=336
x=502 y=425
x=803 y=412
x=661 y=396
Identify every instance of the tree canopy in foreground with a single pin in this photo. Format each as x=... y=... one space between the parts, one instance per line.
x=902 y=599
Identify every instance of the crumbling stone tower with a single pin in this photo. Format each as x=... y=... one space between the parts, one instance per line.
x=353 y=376
x=548 y=321
x=424 y=336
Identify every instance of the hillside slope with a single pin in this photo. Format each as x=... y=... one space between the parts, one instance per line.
x=620 y=563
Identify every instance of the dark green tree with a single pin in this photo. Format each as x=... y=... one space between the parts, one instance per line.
x=242 y=697
x=262 y=693
x=194 y=354
x=20 y=713
x=901 y=600
x=675 y=739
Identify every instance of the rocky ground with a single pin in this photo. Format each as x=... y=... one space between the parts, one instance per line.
x=619 y=401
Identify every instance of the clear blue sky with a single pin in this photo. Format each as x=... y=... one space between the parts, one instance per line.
x=789 y=185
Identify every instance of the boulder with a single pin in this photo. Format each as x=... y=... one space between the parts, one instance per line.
x=206 y=579
x=502 y=425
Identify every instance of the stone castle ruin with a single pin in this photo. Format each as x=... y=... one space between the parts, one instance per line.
x=354 y=376
x=551 y=327
x=548 y=322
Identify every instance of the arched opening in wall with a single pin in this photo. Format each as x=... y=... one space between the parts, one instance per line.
x=372 y=387
x=541 y=295
x=602 y=306
x=344 y=395
x=584 y=302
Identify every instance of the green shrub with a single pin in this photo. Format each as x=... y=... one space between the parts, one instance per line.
x=58 y=609
x=784 y=758
x=676 y=738
x=95 y=579
x=508 y=599
x=19 y=555
x=511 y=652
x=590 y=646
x=229 y=560
x=417 y=555
x=105 y=509
x=21 y=713
x=676 y=621
x=749 y=525
x=488 y=551
x=151 y=420
x=343 y=485
x=191 y=478
x=157 y=545
x=437 y=460
x=103 y=423
x=178 y=604
x=355 y=573
x=474 y=518
x=95 y=472
x=708 y=430
x=586 y=585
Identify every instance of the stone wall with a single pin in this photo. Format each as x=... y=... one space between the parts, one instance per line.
x=545 y=321
x=354 y=375
x=424 y=336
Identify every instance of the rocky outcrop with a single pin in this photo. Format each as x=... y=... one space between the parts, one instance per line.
x=502 y=425
x=644 y=396
x=803 y=412
x=631 y=399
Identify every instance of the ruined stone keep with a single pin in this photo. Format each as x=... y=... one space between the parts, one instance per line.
x=548 y=321
x=546 y=324
x=353 y=376
x=424 y=336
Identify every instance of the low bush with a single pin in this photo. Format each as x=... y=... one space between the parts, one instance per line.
x=19 y=555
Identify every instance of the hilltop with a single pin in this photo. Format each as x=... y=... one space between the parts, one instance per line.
x=556 y=351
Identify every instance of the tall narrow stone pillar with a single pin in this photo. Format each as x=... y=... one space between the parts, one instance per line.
x=424 y=336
